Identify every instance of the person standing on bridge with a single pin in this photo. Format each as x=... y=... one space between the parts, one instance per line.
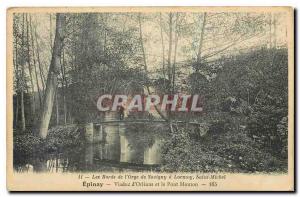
x=121 y=110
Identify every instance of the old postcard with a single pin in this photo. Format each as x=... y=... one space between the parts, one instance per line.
x=150 y=99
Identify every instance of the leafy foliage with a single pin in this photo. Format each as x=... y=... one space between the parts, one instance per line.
x=26 y=148
x=246 y=107
x=63 y=137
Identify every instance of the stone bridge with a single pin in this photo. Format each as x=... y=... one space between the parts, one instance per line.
x=111 y=132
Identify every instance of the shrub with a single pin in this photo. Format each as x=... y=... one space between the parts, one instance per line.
x=61 y=137
x=25 y=147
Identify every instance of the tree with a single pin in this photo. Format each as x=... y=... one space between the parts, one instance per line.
x=49 y=97
x=162 y=46
x=42 y=76
x=34 y=61
x=170 y=45
x=145 y=64
x=201 y=40
x=22 y=78
x=30 y=69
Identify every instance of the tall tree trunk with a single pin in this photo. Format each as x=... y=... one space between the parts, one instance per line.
x=104 y=39
x=142 y=45
x=17 y=81
x=57 y=106
x=52 y=77
x=17 y=111
x=201 y=40
x=42 y=76
x=145 y=64
x=163 y=47
x=64 y=85
x=30 y=68
x=23 y=121
x=175 y=54
x=34 y=63
x=170 y=45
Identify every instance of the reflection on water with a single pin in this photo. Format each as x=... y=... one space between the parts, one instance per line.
x=94 y=157
x=57 y=164
x=113 y=149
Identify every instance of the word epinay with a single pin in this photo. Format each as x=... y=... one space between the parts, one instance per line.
x=180 y=103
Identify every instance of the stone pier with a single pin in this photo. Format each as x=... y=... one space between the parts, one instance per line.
x=98 y=133
x=128 y=153
x=89 y=132
x=152 y=155
x=112 y=139
x=89 y=155
x=112 y=142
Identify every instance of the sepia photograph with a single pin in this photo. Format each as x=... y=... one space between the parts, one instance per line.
x=175 y=95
